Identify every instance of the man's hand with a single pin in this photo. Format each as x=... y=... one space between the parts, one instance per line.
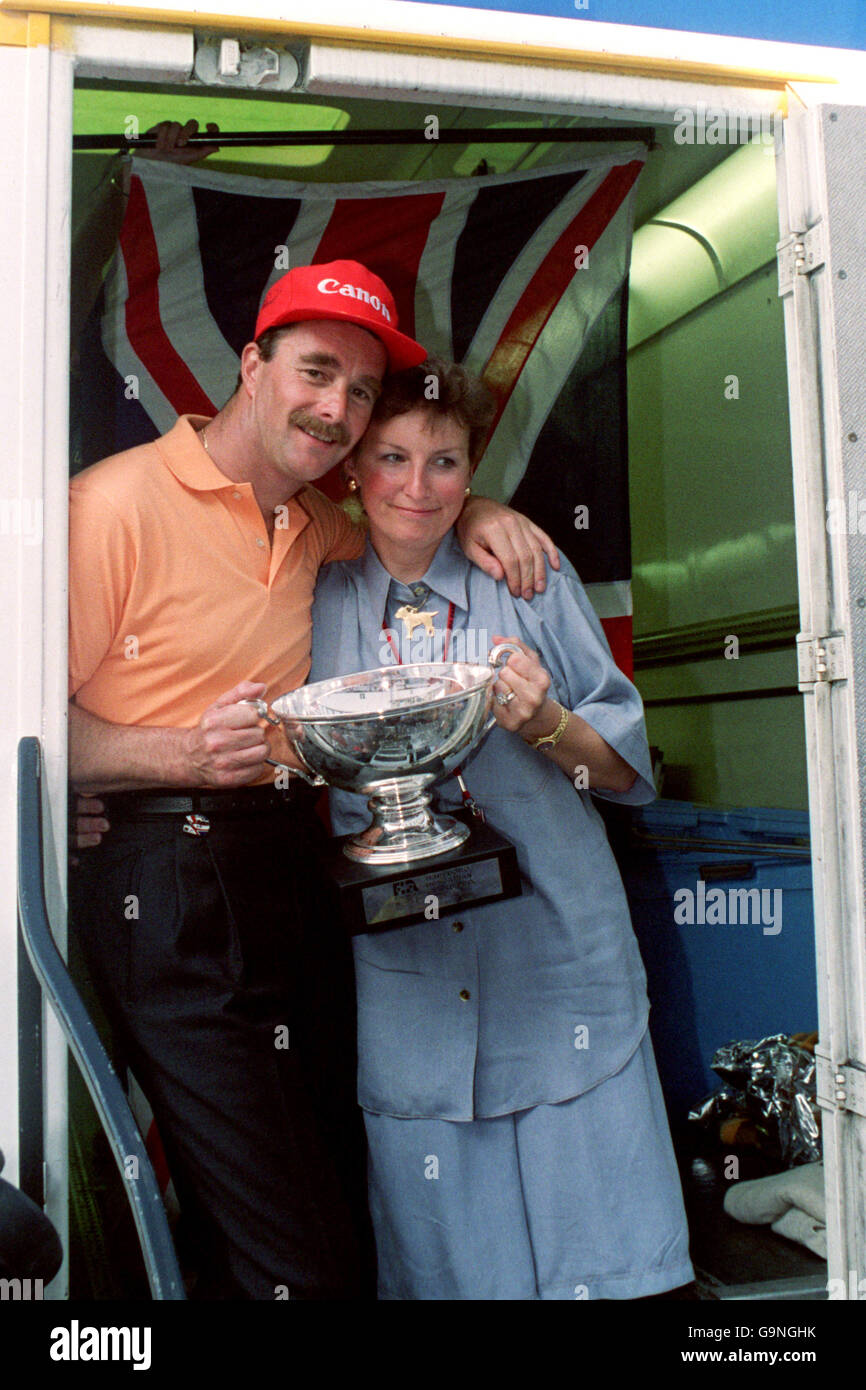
x=88 y=824
x=228 y=748
x=171 y=143
x=506 y=544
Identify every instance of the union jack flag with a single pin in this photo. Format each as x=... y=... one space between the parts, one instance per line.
x=523 y=277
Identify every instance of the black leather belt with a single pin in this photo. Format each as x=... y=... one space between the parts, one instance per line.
x=193 y=801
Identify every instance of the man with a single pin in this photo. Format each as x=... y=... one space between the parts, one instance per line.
x=193 y=563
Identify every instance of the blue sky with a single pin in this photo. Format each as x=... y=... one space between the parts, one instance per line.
x=836 y=23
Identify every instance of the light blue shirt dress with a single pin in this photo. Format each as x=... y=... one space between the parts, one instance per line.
x=523 y=1021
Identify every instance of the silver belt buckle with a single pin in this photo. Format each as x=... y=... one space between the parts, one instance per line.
x=195 y=825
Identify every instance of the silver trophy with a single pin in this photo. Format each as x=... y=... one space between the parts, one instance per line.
x=390 y=734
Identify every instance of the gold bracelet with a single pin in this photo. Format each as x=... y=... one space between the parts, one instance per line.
x=552 y=739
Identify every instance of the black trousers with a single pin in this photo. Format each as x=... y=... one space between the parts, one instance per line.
x=231 y=989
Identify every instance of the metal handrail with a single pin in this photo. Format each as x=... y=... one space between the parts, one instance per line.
x=653 y=839
x=448 y=135
x=112 y=1107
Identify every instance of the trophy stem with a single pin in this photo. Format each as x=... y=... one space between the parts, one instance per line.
x=404 y=827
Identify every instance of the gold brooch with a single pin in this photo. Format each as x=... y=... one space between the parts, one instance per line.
x=412 y=618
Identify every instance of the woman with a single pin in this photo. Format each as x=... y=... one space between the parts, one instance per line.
x=518 y=1143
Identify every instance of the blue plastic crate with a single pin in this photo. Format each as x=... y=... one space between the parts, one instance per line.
x=750 y=973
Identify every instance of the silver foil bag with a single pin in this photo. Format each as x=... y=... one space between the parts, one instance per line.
x=772 y=1083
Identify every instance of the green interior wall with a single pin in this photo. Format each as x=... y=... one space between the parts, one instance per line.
x=713 y=549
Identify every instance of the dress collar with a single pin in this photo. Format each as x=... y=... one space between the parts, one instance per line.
x=445 y=577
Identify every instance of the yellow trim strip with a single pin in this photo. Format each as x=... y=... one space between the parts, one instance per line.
x=24 y=30
x=618 y=65
x=13 y=31
x=623 y=64
x=38 y=30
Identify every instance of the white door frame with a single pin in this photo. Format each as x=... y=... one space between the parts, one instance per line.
x=822 y=267
x=35 y=195
x=36 y=106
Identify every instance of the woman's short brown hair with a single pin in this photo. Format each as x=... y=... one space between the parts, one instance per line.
x=440 y=388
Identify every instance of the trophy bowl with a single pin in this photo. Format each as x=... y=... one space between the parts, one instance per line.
x=390 y=734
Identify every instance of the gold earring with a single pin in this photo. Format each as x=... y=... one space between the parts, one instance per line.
x=467 y=492
x=353 y=485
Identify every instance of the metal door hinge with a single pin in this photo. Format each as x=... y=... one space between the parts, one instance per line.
x=840 y=1086
x=799 y=254
x=819 y=659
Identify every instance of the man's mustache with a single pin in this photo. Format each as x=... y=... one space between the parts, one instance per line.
x=335 y=433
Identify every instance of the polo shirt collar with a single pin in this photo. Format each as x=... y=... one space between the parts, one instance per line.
x=186 y=457
x=446 y=575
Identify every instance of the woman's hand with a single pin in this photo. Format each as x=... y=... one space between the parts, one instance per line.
x=581 y=753
x=524 y=683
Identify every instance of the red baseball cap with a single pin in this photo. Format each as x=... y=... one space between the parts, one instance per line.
x=347 y=292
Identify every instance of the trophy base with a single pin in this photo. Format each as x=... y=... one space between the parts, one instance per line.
x=403 y=844
x=482 y=869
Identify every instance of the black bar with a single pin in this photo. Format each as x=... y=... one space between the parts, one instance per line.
x=656 y=839
x=84 y=1042
x=716 y=697
x=31 y=1138
x=514 y=136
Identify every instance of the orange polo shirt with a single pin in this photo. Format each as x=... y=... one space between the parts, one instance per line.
x=176 y=593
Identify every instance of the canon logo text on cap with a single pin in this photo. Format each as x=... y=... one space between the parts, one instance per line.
x=331 y=286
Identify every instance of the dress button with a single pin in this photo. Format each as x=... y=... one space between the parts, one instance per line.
x=235 y=494
x=464 y=994
x=260 y=543
x=457 y=926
